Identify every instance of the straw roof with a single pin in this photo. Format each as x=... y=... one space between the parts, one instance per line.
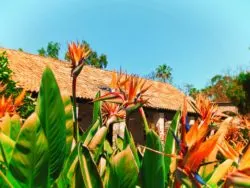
x=27 y=70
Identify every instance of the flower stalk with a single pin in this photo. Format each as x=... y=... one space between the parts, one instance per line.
x=77 y=53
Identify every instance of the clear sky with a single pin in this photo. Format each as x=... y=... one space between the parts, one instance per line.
x=198 y=39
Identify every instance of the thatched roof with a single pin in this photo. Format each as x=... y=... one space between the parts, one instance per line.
x=28 y=68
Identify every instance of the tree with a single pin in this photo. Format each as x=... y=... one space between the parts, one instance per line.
x=52 y=50
x=10 y=88
x=164 y=73
x=98 y=61
x=234 y=89
x=190 y=90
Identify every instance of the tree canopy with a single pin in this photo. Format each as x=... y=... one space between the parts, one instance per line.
x=226 y=88
x=98 y=61
x=52 y=50
x=162 y=73
x=94 y=59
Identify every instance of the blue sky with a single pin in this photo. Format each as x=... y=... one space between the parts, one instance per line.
x=198 y=39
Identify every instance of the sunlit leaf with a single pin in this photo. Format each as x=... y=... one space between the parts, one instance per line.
x=50 y=110
x=153 y=169
x=29 y=162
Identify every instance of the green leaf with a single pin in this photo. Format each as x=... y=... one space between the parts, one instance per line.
x=29 y=162
x=97 y=142
x=50 y=110
x=4 y=182
x=220 y=172
x=128 y=140
x=90 y=133
x=107 y=148
x=6 y=125
x=69 y=169
x=125 y=169
x=153 y=170
x=97 y=108
x=11 y=126
x=170 y=143
x=15 y=127
x=88 y=167
x=77 y=179
x=110 y=179
x=7 y=146
x=69 y=122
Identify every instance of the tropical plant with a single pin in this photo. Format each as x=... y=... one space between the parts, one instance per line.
x=164 y=73
x=45 y=152
x=98 y=61
x=11 y=90
x=52 y=50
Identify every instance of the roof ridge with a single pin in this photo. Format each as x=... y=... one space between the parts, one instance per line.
x=28 y=68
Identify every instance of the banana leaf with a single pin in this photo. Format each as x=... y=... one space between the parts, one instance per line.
x=50 y=110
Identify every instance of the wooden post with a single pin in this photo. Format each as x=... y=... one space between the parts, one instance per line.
x=159 y=122
x=118 y=130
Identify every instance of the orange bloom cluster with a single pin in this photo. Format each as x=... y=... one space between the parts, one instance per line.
x=125 y=93
x=10 y=105
x=77 y=53
x=110 y=110
x=205 y=107
x=195 y=144
x=126 y=90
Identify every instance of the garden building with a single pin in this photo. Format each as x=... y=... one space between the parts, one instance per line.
x=164 y=99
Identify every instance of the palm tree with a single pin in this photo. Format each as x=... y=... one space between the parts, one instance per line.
x=163 y=73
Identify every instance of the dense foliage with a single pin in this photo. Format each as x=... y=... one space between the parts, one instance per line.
x=47 y=151
x=43 y=153
x=162 y=73
x=52 y=50
x=98 y=61
x=94 y=59
x=11 y=89
x=226 y=88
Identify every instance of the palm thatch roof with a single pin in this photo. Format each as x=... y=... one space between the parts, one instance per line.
x=27 y=70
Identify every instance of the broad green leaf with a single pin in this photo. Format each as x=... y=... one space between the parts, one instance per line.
x=15 y=127
x=125 y=169
x=69 y=169
x=29 y=162
x=153 y=170
x=110 y=180
x=107 y=148
x=88 y=168
x=97 y=142
x=69 y=122
x=11 y=126
x=77 y=179
x=97 y=108
x=170 y=143
x=70 y=164
x=4 y=182
x=128 y=140
x=119 y=143
x=90 y=133
x=220 y=172
x=6 y=125
x=50 y=110
x=7 y=146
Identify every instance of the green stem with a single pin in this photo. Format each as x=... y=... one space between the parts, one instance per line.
x=145 y=122
x=76 y=130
